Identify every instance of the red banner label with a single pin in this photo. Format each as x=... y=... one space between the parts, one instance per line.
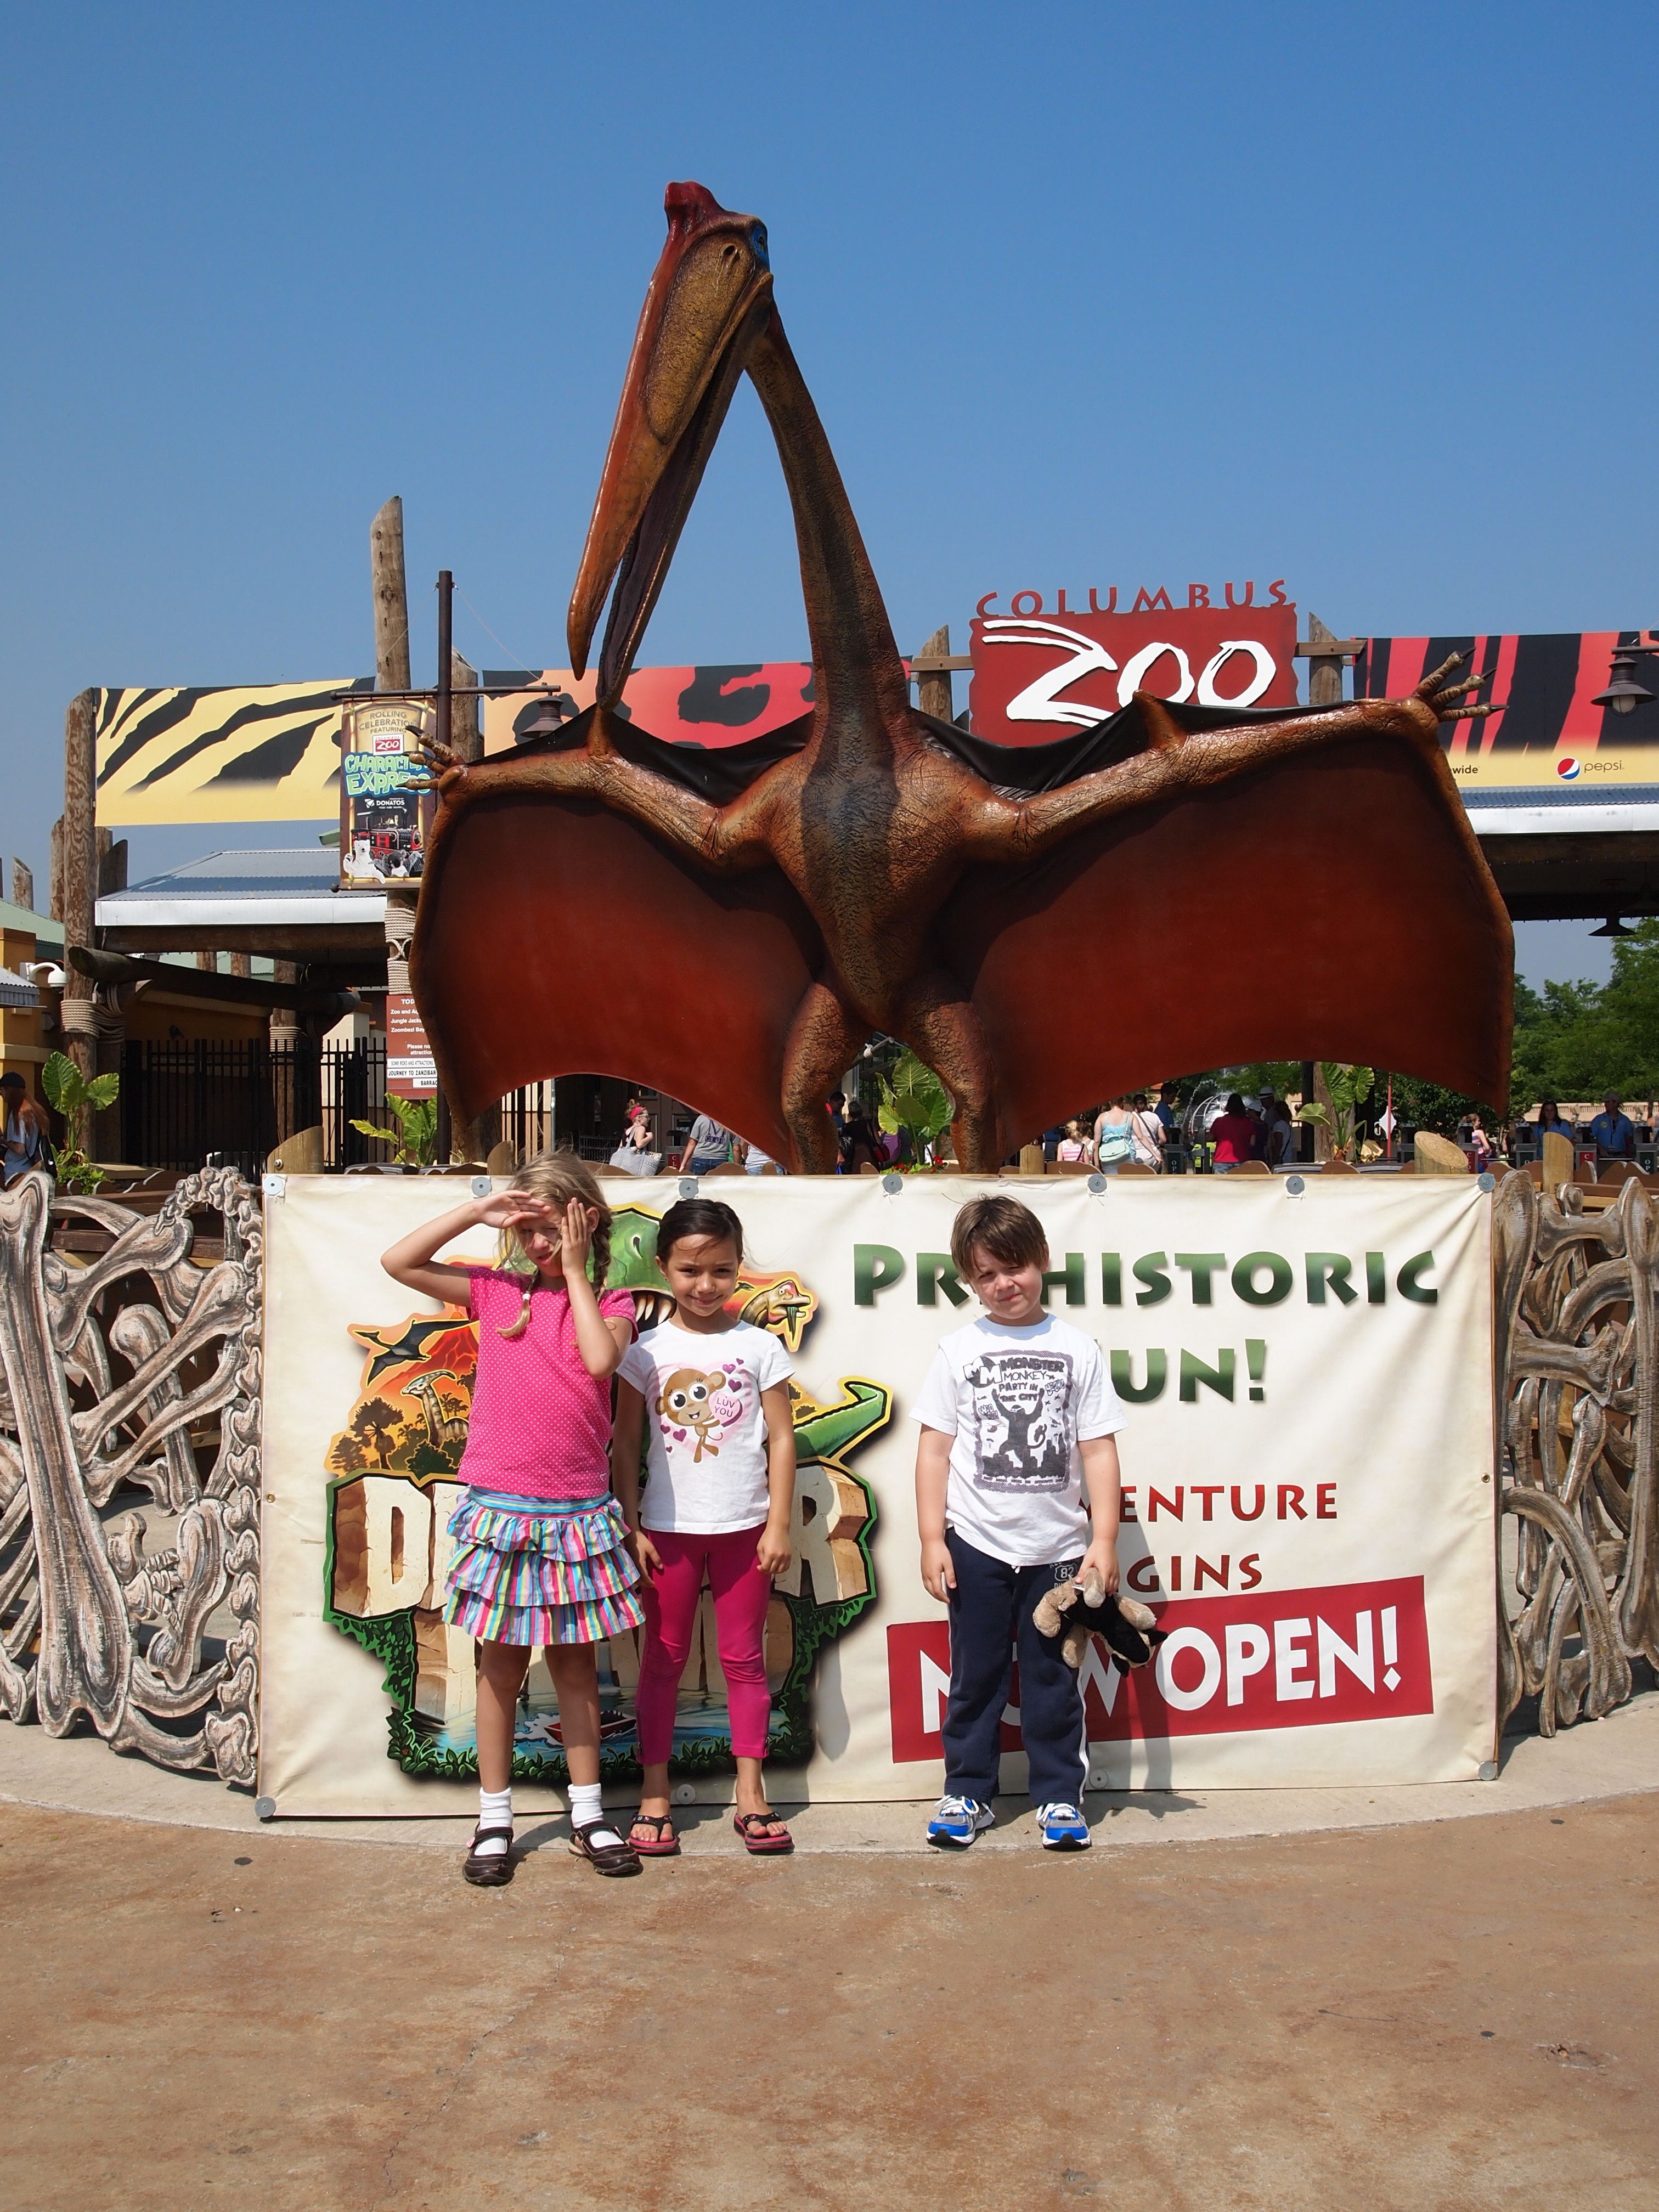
x=1039 y=678
x=1356 y=1651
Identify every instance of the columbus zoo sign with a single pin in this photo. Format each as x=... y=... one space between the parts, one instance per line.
x=1308 y=1503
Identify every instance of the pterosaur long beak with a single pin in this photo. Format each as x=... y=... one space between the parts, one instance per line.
x=708 y=301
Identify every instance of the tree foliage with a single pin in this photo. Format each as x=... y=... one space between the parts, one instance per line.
x=1582 y=1040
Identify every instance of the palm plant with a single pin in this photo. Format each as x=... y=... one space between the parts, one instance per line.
x=1350 y=1086
x=414 y=1141
x=914 y=1098
x=76 y=1097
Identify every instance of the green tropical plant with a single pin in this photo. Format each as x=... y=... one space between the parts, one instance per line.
x=414 y=1141
x=70 y=1093
x=1350 y=1087
x=914 y=1098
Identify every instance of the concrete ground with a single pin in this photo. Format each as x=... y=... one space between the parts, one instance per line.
x=1369 y=2009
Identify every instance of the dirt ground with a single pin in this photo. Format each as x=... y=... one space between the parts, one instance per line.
x=1459 y=2014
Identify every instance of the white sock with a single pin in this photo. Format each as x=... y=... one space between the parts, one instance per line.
x=495 y=1811
x=586 y=1808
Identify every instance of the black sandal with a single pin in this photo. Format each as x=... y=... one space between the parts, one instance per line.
x=619 y=1857
x=663 y=1843
x=493 y=1870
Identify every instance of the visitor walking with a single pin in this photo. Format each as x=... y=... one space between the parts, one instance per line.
x=1073 y=1148
x=540 y=1546
x=707 y=1146
x=1234 y=1136
x=710 y=1395
x=25 y=1133
x=1148 y=1133
x=1113 y=1137
x=1280 y=1149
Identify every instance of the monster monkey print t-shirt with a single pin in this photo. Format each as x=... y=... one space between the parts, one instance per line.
x=1016 y=1403
x=704 y=1425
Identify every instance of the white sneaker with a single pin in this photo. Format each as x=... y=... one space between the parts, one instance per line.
x=957 y=1820
x=1063 y=1828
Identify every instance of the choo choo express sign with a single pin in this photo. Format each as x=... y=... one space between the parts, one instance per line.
x=1309 y=1488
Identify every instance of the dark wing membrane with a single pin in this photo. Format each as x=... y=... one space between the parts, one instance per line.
x=716 y=773
x=1030 y=769
x=1334 y=906
x=556 y=938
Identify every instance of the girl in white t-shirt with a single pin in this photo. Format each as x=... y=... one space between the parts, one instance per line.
x=710 y=1395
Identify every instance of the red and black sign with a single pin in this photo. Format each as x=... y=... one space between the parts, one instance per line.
x=1039 y=678
x=1299 y=1658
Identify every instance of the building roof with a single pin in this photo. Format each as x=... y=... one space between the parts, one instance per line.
x=43 y=930
x=14 y=991
x=225 y=895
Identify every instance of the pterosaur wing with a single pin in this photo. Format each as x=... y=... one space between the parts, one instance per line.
x=557 y=937
x=1334 y=905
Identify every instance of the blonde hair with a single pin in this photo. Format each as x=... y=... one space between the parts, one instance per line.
x=555 y=1178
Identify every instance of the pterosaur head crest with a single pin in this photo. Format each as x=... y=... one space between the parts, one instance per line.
x=709 y=299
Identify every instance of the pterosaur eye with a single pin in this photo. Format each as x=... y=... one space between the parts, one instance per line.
x=757 y=241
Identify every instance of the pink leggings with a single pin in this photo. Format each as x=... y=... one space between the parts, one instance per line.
x=741 y=1592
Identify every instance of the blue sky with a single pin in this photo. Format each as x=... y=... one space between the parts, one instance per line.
x=1359 y=297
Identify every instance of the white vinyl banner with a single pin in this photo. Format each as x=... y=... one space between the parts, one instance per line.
x=1308 y=1487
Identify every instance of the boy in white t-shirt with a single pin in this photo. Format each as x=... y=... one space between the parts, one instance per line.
x=1015 y=1412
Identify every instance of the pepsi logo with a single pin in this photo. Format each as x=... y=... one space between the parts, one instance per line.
x=1566 y=768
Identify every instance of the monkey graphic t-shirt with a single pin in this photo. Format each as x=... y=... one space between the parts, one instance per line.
x=704 y=1425
x=1016 y=1403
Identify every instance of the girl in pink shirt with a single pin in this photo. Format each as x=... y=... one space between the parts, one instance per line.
x=541 y=1553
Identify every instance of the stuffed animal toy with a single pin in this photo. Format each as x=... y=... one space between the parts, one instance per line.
x=1083 y=1609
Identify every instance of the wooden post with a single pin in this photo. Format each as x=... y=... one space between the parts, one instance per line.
x=241 y=963
x=1324 y=689
x=285 y=1034
x=386 y=560
x=933 y=689
x=22 y=885
x=466 y=721
x=475 y=1140
x=1324 y=670
x=80 y=877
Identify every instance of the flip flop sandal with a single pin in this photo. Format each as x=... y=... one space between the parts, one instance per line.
x=604 y=1859
x=493 y=1869
x=762 y=1846
x=665 y=1842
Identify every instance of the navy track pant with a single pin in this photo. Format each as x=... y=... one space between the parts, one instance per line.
x=991 y=1613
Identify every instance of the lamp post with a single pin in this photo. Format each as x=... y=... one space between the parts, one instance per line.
x=1624 y=694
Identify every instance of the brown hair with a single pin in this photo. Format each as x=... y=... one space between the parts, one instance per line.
x=1006 y=1230
x=698 y=1217
x=556 y=1178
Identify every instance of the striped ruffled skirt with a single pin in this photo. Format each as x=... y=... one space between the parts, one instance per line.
x=529 y=1571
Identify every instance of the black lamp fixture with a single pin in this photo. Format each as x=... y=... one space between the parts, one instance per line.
x=1624 y=694
x=1613 y=927
x=556 y=711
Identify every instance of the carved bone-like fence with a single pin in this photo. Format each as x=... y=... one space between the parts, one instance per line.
x=127 y=1371
x=1578 y=1388
x=115 y=1374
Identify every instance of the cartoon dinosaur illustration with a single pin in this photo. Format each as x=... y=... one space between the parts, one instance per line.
x=1016 y=915
x=441 y=1428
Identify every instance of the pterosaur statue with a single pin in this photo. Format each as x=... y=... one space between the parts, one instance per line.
x=1179 y=887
